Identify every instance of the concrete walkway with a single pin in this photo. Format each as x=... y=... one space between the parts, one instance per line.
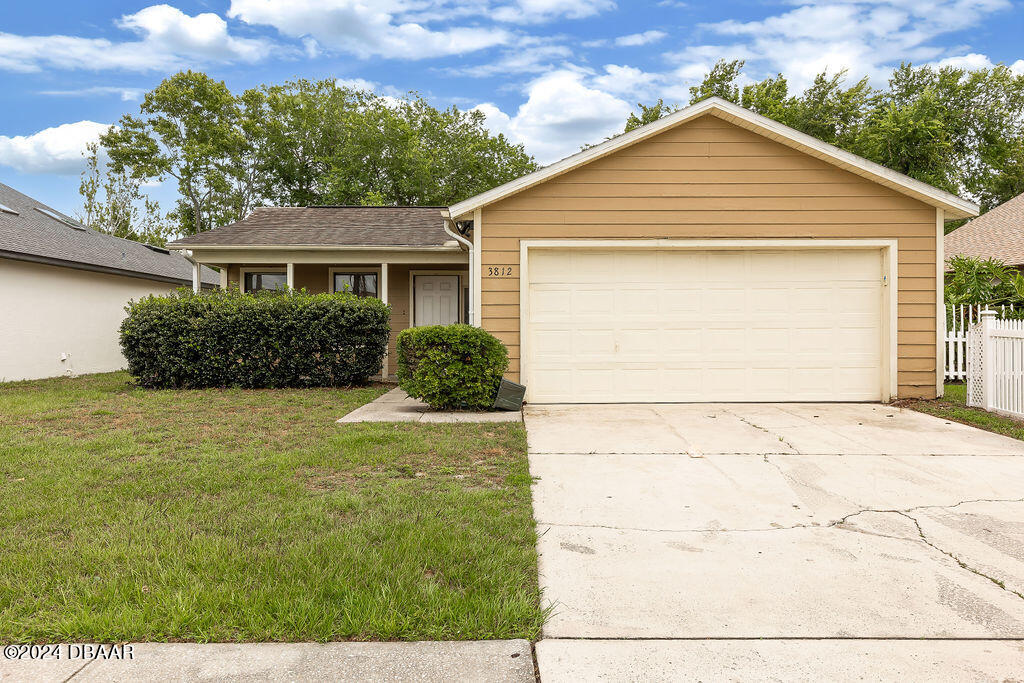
x=798 y=541
x=492 y=660
x=396 y=406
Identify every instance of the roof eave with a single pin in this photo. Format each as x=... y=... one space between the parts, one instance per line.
x=319 y=247
x=955 y=207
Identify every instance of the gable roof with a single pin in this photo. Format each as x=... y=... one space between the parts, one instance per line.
x=33 y=231
x=954 y=206
x=399 y=227
x=997 y=234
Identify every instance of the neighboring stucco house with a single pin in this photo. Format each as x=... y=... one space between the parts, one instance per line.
x=713 y=255
x=63 y=289
x=997 y=234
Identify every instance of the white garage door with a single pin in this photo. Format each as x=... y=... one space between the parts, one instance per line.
x=648 y=325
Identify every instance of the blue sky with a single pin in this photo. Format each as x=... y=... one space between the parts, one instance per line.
x=552 y=74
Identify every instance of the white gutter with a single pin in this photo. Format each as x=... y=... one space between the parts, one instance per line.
x=469 y=247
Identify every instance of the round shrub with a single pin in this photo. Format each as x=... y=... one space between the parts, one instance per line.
x=260 y=340
x=451 y=366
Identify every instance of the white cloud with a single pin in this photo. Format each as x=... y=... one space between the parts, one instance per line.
x=974 y=61
x=561 y=113
x=536 y=11
x=867 y=38
x=365 y=29
x=52 y=150
x=628 y=80
x=525 y=58
x=168 y=39
x=126 y=94
x=645 y=38
x=356 y=84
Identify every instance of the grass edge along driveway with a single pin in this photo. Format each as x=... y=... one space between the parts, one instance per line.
x=235 y=515
x=953 y=406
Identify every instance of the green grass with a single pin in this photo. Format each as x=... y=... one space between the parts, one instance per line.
x=953 y=406
x=231 y=515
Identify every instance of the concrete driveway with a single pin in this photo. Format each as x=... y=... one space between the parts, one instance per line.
x=789 y=540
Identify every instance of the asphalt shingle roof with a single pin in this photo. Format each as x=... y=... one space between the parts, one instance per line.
x=998 y=234
x=340 y=226
x=30 y=232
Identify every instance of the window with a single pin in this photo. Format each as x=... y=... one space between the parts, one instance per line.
x=57 y=217
x=256 y=281
x=360 y=284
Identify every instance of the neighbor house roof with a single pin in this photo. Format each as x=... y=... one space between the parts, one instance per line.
x=997 y=234
x=33 y=231
x=400 y=227
x=954 y=206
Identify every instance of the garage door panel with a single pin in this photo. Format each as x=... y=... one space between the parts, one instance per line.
x=665 y=325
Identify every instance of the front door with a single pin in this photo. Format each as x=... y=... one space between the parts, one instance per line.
x=436 y=300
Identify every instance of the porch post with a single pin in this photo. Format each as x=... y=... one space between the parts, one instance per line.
x=197 y=282
x=384 y=298
x=290 y=270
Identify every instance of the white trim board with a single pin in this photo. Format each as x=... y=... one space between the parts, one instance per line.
x=889 y=309
x=954 y=206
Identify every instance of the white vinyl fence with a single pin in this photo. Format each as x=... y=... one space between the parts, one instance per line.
x=996 y=378
x=958 y=321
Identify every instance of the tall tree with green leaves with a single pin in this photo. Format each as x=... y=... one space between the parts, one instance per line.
x=188 y=129
x=959 y=130
x=113 y=203
x=721 y=81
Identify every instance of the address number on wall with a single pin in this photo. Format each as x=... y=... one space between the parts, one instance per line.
x=499 y=271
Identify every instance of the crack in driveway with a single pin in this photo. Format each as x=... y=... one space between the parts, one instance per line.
x=924 y=539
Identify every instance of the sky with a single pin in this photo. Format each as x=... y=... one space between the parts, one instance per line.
x=551 y=74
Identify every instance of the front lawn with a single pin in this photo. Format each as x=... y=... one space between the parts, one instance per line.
x=953 y=406
x=232 y=515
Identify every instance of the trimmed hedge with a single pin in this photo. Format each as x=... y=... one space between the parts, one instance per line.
x=451 y=366
x=260 y=340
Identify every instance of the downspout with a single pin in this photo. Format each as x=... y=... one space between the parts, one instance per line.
x=197 y=282
x=448 y=225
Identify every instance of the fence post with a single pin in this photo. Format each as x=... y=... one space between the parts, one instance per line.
x=988 y=321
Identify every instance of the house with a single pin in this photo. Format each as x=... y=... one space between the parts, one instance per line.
x=997 y=234
x=713 y=255
x=63 y=289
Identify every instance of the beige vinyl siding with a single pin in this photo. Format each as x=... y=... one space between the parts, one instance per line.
x=708 y=178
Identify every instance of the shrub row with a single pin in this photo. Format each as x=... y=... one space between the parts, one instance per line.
x=261 y=340
x=451 y=366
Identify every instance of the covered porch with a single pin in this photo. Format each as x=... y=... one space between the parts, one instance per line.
x=406 y=256
x=423 y=291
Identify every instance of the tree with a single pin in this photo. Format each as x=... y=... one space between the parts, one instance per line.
x=719 y=82
x=977 y=281
x=649 y=114
x=117 y=210
x=335 y=145
x=188 y=129
x=962 y=131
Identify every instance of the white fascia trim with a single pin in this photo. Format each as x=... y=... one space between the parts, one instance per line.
x=957 y=207
x=940 y=303
x=313 y=247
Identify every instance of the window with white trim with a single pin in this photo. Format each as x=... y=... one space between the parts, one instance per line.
x=360 y=284
x=256 y=281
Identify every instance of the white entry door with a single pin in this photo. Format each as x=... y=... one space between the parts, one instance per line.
x=435 y=300
x=660 y=326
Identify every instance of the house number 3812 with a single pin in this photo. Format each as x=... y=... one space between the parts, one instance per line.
x=499 y=271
